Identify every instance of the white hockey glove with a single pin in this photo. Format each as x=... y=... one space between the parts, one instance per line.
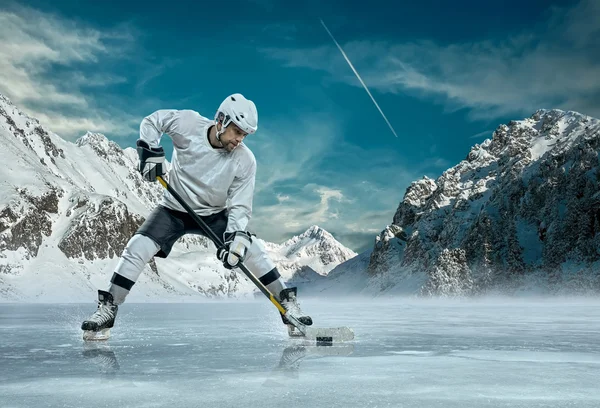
x=152 y=160
x=235 y=249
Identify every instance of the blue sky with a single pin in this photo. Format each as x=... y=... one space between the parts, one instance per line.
x=445 y=76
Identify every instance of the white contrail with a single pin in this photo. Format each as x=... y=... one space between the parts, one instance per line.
x=359 y=78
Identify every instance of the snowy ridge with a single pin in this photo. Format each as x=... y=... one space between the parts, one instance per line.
x=68 y=209
x=520 y=213
x=315 y=248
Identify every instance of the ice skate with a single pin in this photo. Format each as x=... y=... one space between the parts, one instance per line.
x=290 y=303
x=97 y=327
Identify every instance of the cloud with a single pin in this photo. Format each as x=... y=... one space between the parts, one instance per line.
x=322 y=212
x=308 y=175
x=297 y=212
x=47 y=62
x=290 y=153
x=357 y=241
x=289 y=194
x=282 y=198
x=74 y=125
x=154 y=70
x=552 y=65
x=487 y=133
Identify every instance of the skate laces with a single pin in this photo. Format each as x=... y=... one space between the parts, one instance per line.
x=103 y=314
x=292 y=306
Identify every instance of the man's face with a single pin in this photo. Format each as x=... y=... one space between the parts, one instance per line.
x=232 y=137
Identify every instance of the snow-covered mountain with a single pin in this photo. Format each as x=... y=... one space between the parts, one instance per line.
x=520 y=213
x=68 y=209
x=315 y=248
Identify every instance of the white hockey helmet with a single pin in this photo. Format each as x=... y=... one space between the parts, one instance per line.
x=239 y=110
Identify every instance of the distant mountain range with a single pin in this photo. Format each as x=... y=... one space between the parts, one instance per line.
x=521 y=213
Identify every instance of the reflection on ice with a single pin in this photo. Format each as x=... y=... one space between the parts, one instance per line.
x=292 y=356
x=418 y=354
x=102 y=356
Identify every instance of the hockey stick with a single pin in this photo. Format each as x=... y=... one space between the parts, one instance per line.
x=217 y=241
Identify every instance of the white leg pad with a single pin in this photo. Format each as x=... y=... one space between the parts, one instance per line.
x=139 y=251
x=257 y=260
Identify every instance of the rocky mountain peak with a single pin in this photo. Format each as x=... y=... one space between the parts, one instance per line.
x=315 y=248
x=416 y=196
x=315 y=237
x=316 y=232
x=5 y=100
x=11 y=113
x=93 y=138
x=524 y=202
x=104 y=148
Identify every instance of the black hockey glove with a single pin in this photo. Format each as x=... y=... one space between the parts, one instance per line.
x=152 y=160
x=235 y=249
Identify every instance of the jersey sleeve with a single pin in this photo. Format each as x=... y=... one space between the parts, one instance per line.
x=165 y=121
x=240 y=195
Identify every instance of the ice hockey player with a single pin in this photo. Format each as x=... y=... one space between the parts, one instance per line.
x=214 y=171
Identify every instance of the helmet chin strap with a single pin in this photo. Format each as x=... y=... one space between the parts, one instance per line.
x=219 y=133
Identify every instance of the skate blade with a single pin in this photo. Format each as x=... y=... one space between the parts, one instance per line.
x=101 y=335
x=322 y=335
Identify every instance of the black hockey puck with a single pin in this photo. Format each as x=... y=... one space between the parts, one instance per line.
x=324 y=341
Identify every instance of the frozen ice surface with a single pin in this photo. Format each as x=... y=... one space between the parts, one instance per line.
x=407 y=353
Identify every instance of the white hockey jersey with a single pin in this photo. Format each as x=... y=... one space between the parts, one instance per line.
x=208 y=179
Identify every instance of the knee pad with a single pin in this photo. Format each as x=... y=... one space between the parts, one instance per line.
x=139 y=251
